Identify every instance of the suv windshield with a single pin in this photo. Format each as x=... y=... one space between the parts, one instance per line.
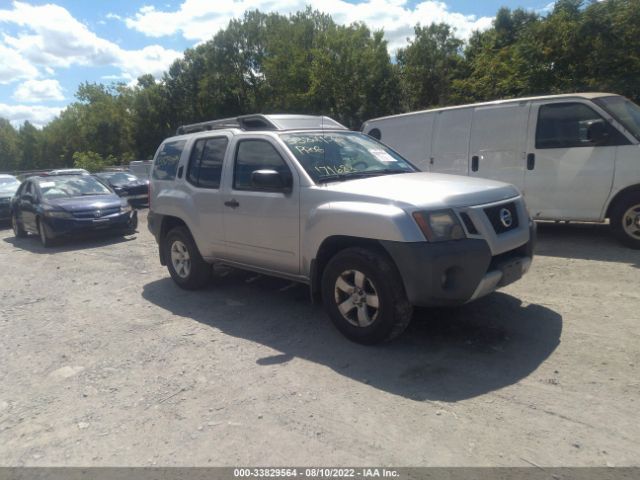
x=8 y=185
x=328 y=156
x=71 y=186
x=624 y=111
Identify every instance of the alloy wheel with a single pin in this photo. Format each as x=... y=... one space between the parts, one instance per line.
x=631 y=222
x=356 y=298
x=180 y=259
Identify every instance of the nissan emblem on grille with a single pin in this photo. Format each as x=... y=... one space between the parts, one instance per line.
x=97 y=214
x=506 y=218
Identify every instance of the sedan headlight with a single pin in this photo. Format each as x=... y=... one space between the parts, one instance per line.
x=125 y=207
x=439 y=226
x=57 y=214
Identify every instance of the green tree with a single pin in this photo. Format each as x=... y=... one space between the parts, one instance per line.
x=10 y=156
x=428 y=65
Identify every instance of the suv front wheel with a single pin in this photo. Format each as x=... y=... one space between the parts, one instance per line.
x=363 y=294
x=185 y=264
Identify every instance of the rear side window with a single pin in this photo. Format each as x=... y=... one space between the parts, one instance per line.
x=166 y=164
x=566 y=125
x=255 y=155
x=205 y=164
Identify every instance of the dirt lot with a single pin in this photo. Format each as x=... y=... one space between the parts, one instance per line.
x=103 y=361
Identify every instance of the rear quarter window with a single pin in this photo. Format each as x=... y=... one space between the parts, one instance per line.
x=166 y=163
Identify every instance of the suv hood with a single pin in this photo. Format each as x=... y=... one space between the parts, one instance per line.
x=426 y=190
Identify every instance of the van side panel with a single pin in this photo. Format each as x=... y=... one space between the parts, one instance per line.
x=498 y=139
x=409 y=135
x=627 y=172
x=450 y=147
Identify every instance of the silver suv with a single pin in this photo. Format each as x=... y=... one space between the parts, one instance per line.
x=303 y=198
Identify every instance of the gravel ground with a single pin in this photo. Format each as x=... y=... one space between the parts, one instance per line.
x=104 y=361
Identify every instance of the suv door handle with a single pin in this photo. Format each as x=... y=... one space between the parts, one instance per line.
x=233 y=203
x=475 y=160
x=531 y=161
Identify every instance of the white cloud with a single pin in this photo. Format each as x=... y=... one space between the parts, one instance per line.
x=51 y=37
x=33 y=91
x=38 y=115
x=13 y=66
x=199 y=20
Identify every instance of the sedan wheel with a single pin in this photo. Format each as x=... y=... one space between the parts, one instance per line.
x=44 y=237
x=180 y=259
x=18 y=230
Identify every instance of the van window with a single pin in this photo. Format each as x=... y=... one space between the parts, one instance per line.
x=205 y=164
x=255 y=155
x=566 y=125
x=166 y=164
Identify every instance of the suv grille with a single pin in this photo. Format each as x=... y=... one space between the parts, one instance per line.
x=503 y=217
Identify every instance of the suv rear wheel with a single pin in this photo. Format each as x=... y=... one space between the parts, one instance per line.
x=185 y=264
x=363 y=294
x=625 y=220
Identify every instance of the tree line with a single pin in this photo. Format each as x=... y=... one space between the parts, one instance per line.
x=306 y=63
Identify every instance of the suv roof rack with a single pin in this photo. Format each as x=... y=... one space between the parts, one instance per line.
x=264 y=122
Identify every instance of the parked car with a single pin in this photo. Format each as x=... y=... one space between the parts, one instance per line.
x=128 y=186
x=8 y=186
x=574 y=157
x=68 y=171
x=54 y=206
x=140 y=168
x=303 y=198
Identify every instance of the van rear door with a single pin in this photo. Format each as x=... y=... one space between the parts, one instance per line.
x=498 y=142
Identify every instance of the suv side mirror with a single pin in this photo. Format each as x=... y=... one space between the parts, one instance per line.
x=271 y=180
x=597 y=132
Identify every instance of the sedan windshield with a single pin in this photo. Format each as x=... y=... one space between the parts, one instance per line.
x=624 y=111
x=8 y=185
x=331 y=156
x=71 y=186
x=118 y=178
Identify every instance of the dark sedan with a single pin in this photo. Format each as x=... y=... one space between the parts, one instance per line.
x=8 y=186
x=128 y=186
x=55 y=206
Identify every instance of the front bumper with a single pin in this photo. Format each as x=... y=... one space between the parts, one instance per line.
x=5 y=209
x=457 y=272
x=58 y=227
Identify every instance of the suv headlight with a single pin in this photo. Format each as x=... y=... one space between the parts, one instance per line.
x=439 y=226
x=125 y=207
x=57 y=214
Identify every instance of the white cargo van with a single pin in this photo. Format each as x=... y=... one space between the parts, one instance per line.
x=575 y=156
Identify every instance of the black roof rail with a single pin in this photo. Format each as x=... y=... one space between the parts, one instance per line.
x=243 y=122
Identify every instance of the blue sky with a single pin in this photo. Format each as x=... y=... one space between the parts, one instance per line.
x=47 y=48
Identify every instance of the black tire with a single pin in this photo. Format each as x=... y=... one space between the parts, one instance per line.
x=198 y=273
x=622 y=224
x=43 y=234
x=133 y=223
x=18 y=228
x=381 y=280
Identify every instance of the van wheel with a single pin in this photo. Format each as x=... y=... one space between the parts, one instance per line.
x=18 y=229
x=625 y=220
x=185 y=264
x=364 y=296
x=45 y=238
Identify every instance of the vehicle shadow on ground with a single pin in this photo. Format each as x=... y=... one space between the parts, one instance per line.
x=445 y=354
x=585 y=241
x=31 y=243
